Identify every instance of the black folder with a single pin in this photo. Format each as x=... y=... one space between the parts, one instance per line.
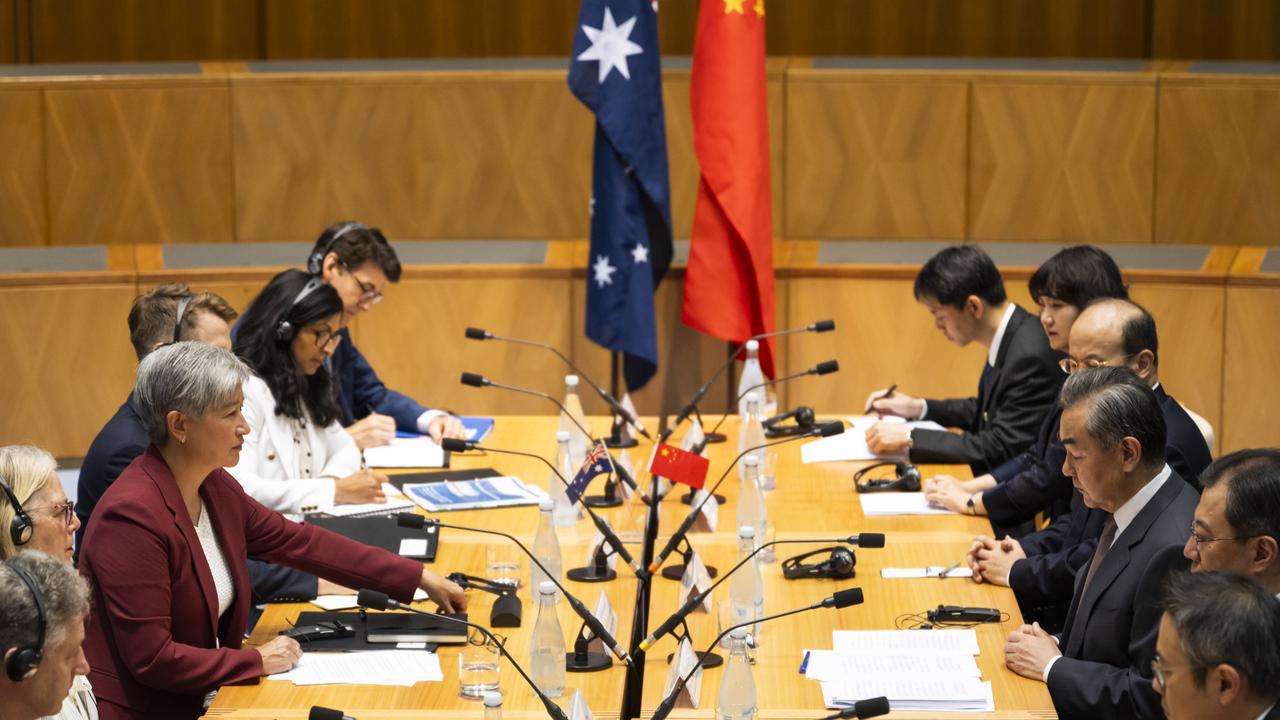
x=383 y=532
x=399 y=479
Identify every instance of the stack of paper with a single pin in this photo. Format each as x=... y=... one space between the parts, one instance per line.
x=917 y=670
x=899 y=503
x=473 y=494
x=396 y=502
x=908 y=693
x=406 y=453
x=377 y=667
x=852 y=443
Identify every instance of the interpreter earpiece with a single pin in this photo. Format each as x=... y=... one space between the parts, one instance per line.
x=182 y=310
x=285 y=329
x=839 y=564
x=906 y=478
x=803 y=416
x=315 y=261
x=20 y=527
x=25 y=660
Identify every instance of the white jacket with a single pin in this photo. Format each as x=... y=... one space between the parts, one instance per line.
x=275 y=468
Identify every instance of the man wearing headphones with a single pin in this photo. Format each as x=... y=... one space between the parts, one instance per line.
x=359 y=262
x=43 y=605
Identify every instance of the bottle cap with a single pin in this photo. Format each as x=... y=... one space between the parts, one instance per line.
x=546 y=587
x=753 y=345
x=738 y=633
x=562 y=436
x=571 y=380
x=546 y=504
x=751 y=460
x=493 y=699
x=753 y=397
x=746 y=532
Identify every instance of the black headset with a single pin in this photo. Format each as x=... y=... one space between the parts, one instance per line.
x=803 y=416
x=285 y=329
x=25 y=660
x=182 y=310
x=315 y=261
x=20 y=527
x=906 y=478
x=838 y=564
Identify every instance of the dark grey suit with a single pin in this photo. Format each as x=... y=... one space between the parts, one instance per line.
x=1109 y=637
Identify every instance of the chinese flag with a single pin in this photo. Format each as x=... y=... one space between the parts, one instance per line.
x=679 y=466
x=728 y=287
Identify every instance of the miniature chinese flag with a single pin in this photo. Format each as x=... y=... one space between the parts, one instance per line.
x=679 y=466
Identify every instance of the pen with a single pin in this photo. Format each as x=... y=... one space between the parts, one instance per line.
x=947 y=571
x=888 y=393
x=364 y=466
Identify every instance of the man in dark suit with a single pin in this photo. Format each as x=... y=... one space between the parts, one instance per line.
x=963 y=290
x=1100 y=666
x=1218 y=656
x=1237 y=525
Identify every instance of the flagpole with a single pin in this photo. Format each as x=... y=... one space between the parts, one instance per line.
x=614 y=369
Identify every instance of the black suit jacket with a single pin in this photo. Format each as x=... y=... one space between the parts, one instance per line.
x=1185 y=449
x=118 y=443
x=1110 y=635
x=1031 y=482
x=1001 y=421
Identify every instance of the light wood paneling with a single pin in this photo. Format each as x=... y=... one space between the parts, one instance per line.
x=1225 y=29
x=8 y=32
x=1067 y=162
x=1219 y=162
x=143 y=30
x=1250 y=367
x=72 y=368
x=880 y=157
x=139 y=165
x=23 y=201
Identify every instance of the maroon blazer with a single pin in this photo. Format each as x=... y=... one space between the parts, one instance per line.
x=153 y=640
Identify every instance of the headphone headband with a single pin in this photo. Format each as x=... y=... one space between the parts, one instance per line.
x=315 y=262
x=26 y=660
x=285 y=329
x=839 y=564
x=183 y=304
x=20 y=527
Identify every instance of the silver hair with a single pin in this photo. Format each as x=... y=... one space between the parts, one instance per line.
x=189 y=377
x=1121 y=405
x=63 y=594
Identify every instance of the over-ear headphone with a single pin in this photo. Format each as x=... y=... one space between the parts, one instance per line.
x=803 y=416
x=839 y=564
x=315 y=261
x=25 y=660
x=906 y=478
x=182 y=310
x=285 y=329
x=20 y=527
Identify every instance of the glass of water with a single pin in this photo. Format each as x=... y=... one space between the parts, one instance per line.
x=503 y=564
x=478 y=666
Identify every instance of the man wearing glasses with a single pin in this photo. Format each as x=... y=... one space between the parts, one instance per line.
x=1218 y=655
x=1237 y=523
x=358 y=262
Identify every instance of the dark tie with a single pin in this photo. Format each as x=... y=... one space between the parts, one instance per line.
x=984 y=392
x=1104 y=546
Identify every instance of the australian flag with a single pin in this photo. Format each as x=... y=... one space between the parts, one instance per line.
x=615 y=71
x=596 y=464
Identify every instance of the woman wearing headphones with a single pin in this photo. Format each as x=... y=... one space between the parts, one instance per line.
x=36 y=515
x=296 y=456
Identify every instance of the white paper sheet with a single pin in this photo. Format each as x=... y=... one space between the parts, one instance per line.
x=933 y=571
x=853 y=642
x=348 y=602
x=396 y=502
x=924 y=694
x=898 y=503
x=416 y=452
x=852 y=443
x=831 y=666
x=378 y=667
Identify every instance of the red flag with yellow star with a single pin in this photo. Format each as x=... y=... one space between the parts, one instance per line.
x=728 y=287
x=679 y=466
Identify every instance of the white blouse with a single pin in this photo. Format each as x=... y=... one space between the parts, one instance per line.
x=213 y=554
x=79 y=703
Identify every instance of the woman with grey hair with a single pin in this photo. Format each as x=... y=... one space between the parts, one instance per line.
x=166 y=551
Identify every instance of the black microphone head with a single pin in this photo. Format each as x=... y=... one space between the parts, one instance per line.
x=827 y=429
x=866 y=540
x=823 y=326
x=324 y=713
x=372 y=599
x=455 y=445
x=826 y=368
x=845 y=598
x=473 y=380
x=475 y=333
x=411 y=520
x=872 y=707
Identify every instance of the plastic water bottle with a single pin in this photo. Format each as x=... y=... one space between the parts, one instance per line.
x=751 y=433
x=737 y=686
x=752 y=374
x=493 y=706
x=751 y=509
x=546 y=548
x=566 y=514
x=746 y=591
x=548 y=654
x=573 y=404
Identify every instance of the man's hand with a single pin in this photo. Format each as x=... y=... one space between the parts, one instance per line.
x=884 y=438
x=361 y=487
x=373 y=430
x=1029 y=650
x=980 y=543
x=443 y=591
x=947 y=492
x=896 y=404
x=446 y=426
x=996 y=561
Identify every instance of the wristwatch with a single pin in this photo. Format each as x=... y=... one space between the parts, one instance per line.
x=973 y=510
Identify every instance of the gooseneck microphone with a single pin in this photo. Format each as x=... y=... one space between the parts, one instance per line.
x=374 y=600
x=417 y=522
x=827 y=429
x=474 y=333
x=869 y=708
x=866 y=540
x=841 y=599
x=324 y=713
x=822 y=368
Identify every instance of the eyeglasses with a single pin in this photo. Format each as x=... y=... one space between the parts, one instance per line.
x=1159 y=673
x=66 y=510
x=368 y=291
x=479 y=639
x=1071 y=366
x=1201 y=540
x=326 y=339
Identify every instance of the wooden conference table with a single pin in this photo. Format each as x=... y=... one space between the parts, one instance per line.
x=812 y=501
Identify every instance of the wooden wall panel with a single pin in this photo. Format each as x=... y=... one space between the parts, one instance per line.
x=143 y=30
x=1225 y=29
x=8 y=32
x=882 y=157
x=73 y=367
x=1067 y=162
x=1219 y=163
x=139 y=165
x=23 y=200
x=1250 y=367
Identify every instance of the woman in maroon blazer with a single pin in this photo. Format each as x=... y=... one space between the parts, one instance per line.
x=167 y=549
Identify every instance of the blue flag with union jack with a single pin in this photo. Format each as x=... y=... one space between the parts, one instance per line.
x=597 y=463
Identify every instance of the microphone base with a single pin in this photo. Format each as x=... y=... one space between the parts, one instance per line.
x=715 y=437
x=589 y=575
x=601 y=501
x=707 y=660
x=675 y=572
x=687 y=498
x=621 y=443
x=587 y=662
